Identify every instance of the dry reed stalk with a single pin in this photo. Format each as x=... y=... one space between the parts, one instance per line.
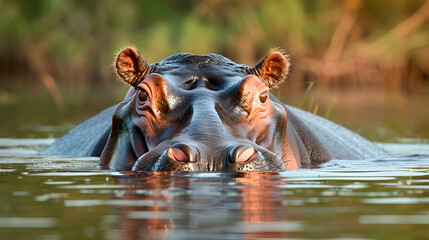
x=365 y=52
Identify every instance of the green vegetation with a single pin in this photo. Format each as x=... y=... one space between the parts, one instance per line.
x=349 y=43
x=310 y=86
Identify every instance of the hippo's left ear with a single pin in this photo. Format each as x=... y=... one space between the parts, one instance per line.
x=273 y=69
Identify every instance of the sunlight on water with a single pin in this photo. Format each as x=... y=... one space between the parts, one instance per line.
x=151 y=215
x=48 y=197
x=71 y=174
x=18 y=222
x=394 y=219
x=96 y=202
x=397 y=200
x=58 y=182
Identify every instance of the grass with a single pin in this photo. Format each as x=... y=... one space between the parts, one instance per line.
x=310 y=86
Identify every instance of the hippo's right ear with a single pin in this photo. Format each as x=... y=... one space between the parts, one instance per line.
x=131 y=66
x=273 y=69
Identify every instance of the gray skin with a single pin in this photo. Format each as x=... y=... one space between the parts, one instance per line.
x=207 y=113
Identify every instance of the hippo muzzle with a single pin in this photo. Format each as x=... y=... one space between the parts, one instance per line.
x=199 y=113
x=182 y=157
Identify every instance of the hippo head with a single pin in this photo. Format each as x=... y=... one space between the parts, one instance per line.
x=199 y=113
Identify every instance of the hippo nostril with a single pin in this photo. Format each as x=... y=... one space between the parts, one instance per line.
x=182 y=153
x=177 y=155
x=246 y=155
x=242 y=154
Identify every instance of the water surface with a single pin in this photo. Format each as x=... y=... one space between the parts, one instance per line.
x=48 y=197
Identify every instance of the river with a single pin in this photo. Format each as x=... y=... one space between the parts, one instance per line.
x=52 y=197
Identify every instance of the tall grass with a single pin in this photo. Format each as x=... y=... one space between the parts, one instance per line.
x=304 y=97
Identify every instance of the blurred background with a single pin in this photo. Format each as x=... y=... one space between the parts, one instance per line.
x=361 y=63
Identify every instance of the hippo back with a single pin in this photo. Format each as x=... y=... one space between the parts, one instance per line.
x=86 y=139
x=319 y=140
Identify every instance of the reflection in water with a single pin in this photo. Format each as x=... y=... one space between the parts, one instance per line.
x=221 y=205
x=144 y=188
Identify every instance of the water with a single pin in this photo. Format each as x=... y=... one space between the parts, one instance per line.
x=46 y=197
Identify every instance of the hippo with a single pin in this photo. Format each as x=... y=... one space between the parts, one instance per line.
x=207 y=113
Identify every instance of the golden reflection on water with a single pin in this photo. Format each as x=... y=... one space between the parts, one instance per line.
x=260 y=205
x=182 y=202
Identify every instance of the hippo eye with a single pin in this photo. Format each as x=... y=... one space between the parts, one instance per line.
x=143 y=95
x=263 y=97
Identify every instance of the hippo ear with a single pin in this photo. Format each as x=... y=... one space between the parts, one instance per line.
x=273 y=69
x=131 y=66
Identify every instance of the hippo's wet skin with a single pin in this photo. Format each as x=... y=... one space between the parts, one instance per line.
x=207 y=113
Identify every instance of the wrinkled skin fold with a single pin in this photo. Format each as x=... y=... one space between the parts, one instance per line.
x=207 y=113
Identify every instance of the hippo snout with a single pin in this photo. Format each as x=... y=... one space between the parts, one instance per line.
x=186 y=157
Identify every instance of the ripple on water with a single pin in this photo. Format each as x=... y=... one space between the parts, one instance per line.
x=413 y=186
x=358 y=175
x=397 y=200
x=153 y=215
x=14 y=142
x=71 y=174
x=308 y=186
x=114 y=202
x=58 y=182
x=394 y=219
x=355 y=186
x=20 y=193
x=271 y=226
x=100 y=186
x=27 y=222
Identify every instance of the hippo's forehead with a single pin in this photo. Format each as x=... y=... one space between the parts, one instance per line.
x=215 y=70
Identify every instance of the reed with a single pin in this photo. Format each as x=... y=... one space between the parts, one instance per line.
x=304 y=97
